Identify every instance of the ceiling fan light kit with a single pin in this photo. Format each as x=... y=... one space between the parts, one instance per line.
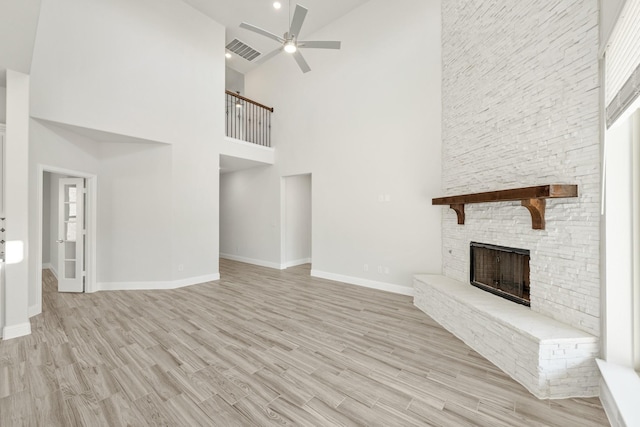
x=290 y=47
x=289 y=42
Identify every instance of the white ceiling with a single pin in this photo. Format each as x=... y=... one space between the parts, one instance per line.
x=232 y=164
x=18 y=24
x=19 y=21
x=98 y=135
x=261 y=13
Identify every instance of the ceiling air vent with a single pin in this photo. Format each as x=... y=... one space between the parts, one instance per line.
x=242 y=50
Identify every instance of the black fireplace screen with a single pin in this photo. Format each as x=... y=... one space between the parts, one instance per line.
x=501 y=270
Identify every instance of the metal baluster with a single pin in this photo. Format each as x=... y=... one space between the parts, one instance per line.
x=227 y=130
x=247 y=120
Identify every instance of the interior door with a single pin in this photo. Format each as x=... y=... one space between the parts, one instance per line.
x=71 y=235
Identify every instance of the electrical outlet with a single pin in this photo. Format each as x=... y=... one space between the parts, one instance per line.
x=386 y=270
x=380 y=269
x=365 y=267
x=387 y=197
x=180 y=267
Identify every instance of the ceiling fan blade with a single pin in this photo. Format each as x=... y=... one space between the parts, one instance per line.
x=262 y=32
x=297 y=21
x=320 y=45
x=268 y=56
x=301 y=62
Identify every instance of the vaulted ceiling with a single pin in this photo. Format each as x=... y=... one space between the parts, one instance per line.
x=19 y=22
x=261 y=13
x=18 y=25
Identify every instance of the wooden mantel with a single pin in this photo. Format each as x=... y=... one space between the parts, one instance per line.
x=532 y=198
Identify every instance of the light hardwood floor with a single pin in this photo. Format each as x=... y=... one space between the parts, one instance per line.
x=259 y=347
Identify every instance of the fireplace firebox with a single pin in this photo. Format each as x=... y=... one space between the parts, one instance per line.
x=501 y=270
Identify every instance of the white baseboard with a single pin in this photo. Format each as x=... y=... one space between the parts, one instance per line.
x=50 y=267
x=619 y=391
x=34 y=310
x=156 y=285
x=396 y=289
x=297 y=262
x=259 y=262
x=15 y=331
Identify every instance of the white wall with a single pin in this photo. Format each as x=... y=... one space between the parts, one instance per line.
x=3 y=104
x=53 y=222
x=134 y=182
x=234 y=80
x=297 y=219
x=17 y=211
x=50 y=220
x=365 y=122
x=18 y=26
x=143 y=70
x=46 y=218
x=250 y=216
x=619 y=244
x=609 y=12
x=194 y=200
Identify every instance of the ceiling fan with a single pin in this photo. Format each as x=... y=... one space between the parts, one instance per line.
x=290 y=42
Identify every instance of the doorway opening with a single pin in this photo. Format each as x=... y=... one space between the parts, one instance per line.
x=66 y=231
x=296 y=227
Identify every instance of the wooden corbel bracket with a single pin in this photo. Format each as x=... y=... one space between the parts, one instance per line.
x=459 y=208
x=536 y=208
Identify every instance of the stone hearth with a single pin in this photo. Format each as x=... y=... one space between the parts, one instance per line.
x=551 y=359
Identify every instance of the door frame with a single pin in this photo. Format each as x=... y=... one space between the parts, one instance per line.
x=284 y=263
x=90 y=221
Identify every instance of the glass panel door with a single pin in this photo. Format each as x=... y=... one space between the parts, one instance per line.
x=71 y=232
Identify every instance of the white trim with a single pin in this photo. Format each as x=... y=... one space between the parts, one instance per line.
x=157 y=285
x=619 y=393
x=91 y=220
x=53 y=271
x=3 y=304
x=249 y=144
x=367 y=283
x=609 y=405
x=283 y=219
x=15 y=331
x=51 y=268
x=297 y=262
x=258 y=262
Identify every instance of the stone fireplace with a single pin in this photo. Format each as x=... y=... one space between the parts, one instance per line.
x=552 y=359
x=521 y=108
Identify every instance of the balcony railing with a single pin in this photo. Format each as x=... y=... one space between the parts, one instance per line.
x=248 y=120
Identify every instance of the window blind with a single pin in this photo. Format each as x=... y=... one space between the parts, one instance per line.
x=622 y=62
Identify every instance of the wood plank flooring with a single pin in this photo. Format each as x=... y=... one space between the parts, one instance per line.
x=260 y=347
